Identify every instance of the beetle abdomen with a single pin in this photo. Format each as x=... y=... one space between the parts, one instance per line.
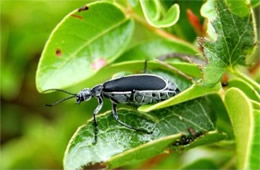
x=136 y=82
x=141 y=97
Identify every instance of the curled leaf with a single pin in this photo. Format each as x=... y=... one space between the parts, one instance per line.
x=152 y=13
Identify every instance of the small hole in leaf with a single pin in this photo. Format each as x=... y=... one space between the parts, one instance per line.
x=58 y=52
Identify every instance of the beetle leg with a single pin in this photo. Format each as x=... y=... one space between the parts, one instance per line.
x=115 y=115
x=132 y=97
x=98 y=108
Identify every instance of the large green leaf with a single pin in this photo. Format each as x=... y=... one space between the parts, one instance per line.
x=85 y=40
x=118 y=145
x=246 y=128
x=223 y=122
x=232 y=39
x=152 y=12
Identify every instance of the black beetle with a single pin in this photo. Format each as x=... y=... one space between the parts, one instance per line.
x=137 y=89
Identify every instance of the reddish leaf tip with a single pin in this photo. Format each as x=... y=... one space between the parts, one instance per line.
x=194 y=21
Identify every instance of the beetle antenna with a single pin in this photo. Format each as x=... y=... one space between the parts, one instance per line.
x=60 y=90
x=60 y=101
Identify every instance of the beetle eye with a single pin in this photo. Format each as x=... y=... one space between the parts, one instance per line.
x=78 y=100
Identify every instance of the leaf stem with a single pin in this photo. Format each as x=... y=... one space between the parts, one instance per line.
x=246 y=78
x=176 y=70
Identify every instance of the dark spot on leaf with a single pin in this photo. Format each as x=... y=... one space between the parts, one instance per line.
x=84 y=8
x=58 y=52
x=77 y=16
x=98 y=64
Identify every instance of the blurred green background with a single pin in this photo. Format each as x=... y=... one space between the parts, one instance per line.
x=32 y=135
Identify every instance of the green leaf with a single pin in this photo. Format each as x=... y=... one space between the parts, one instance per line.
x=255 y=104
x=254 y=158
x=255 y=3
x=152 y=12
x=245 y=87
x=223 y=122
x=156 y=48
x=239 y=8
x=201 y=164
x=248 y=79
x=192 y=92
x=206 y=139
x=246 y=128
x=142 y=152
x=82 y=42
x=118 y=145
x=234 y=38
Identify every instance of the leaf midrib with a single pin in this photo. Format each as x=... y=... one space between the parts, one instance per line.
x=224 y=37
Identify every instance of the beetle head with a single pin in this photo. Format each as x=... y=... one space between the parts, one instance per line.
x=83 y=95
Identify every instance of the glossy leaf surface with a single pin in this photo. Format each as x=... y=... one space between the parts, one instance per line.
x=246 y=88
x=83 y=42
x=246 y=128
x=118 y=145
